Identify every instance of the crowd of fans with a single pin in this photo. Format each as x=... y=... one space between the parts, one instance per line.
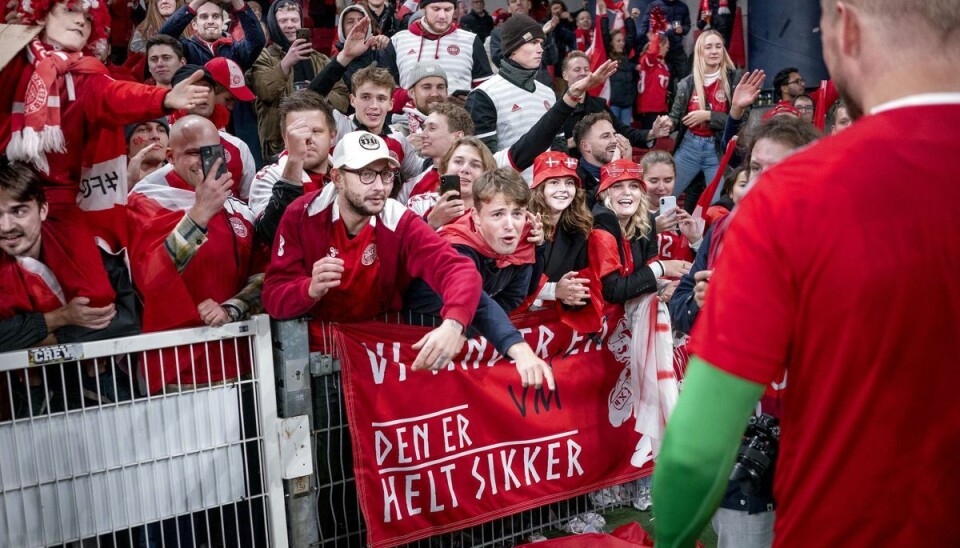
x=440 y=160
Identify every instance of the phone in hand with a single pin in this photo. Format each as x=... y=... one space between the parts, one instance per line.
x=667 y=203
x=304 y=34
x=448 y=183
x=209 y=155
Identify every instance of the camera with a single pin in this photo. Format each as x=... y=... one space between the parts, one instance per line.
x=757 y=454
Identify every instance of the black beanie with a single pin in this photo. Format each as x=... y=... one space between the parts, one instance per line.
x=517 y=31
x=424 y=3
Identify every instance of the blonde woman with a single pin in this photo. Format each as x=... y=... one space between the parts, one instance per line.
x=700 y=110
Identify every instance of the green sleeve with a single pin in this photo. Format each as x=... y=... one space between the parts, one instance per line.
x=700 y=445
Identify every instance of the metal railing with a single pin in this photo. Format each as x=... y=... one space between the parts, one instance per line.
x=88 y=456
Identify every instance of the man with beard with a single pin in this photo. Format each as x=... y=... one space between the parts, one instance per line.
x=871 y=390
x=348 y=253
x=308 y=133
x=428 y=87
x=597 y=142
x=146 y=148
x=288 y=64
x=436 y=38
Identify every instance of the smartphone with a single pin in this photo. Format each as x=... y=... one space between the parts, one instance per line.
x=304 y=34
x=461 y=93
x=448 y=183
x=209 y=155
x=667 y=203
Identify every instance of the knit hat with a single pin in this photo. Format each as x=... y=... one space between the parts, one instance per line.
x=552 y=164
x=228 y=74
x=426 y=70
x=424 y=3
x=341 y=32
x=517 y=31
x=130 y=128
x=620 y=170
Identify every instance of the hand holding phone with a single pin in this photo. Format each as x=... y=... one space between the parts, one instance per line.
x=450 y=183
x=208 y=155
x=304 y=34
x=667 y=203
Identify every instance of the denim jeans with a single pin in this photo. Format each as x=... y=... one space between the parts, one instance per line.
x=696 y=154
x=736 y=529
x=624 y=114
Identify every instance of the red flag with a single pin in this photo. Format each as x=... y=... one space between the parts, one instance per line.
x=737 y=50
x=823 y=98
x=598 y=56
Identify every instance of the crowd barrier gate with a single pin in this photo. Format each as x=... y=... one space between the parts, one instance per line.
x=90 y=460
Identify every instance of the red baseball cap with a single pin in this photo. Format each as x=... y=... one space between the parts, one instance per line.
x=228 y=74
x=620 y=170
x=552 y=164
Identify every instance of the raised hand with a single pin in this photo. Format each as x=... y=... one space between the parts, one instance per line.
x=746 y=92
x=186 y=95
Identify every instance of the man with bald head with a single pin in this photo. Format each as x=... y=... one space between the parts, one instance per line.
x=870 y=427
x=193 y=255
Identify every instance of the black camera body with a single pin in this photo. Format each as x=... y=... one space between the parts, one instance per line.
x=757 y=454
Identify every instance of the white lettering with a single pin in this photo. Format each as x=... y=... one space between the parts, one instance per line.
x=575 y=338
x=401 y=457
x=551 y=462
x=473 y=472
x=572 y=456
x=507 y=463
x=434 y=507
x=377 y=362
x=528 y=469
x=390 y=495
x=420 y=433
x=411 y=493
x=382 y=443
x=462 y=424
x=543 y=340
x=447 y=434
x=453 y=494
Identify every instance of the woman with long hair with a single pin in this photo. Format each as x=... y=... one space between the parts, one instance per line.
x=467 y=158
x=557 y=196
x=700 y=111
x=623 y=241
x=158 y=11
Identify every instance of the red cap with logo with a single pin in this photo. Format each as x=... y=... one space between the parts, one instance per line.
x=554 y=164
x=620 y=170
x=228 y=74
x=781 y=108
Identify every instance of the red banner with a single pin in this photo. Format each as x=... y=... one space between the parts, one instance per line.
x=439 y=451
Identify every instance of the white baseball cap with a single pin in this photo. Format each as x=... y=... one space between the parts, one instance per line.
x=358 y=149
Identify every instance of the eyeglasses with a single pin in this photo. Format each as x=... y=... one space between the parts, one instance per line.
x=797 y=81
x=367 y=176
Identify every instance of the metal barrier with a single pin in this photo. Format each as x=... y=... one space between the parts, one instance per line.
x=89 y=457
x=309 y=383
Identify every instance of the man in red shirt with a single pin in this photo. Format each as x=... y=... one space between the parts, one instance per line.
x=813 y=282
x=348 y=252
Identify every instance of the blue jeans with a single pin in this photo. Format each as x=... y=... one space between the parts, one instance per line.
x=696 y=154
x=624 y=114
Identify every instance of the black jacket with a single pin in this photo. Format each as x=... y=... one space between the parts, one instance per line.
x=620 y=289
x=623 y=82
x=480 y=24
x=718 y=120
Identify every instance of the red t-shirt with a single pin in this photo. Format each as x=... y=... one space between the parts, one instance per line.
x=653 y=82
x=718 y=102
x=865 y=321
x=673 y=245
x=357 y=298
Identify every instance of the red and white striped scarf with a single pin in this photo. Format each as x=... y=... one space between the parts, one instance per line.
x=35 y=120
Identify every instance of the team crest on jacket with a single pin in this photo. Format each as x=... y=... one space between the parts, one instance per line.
x=453 y=49
x=369 y=255
x=227 y=157
x=238 y=227
x=720 y=95
x=36 y=95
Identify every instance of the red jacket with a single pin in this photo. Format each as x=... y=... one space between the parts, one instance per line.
x=407 y=248
x=92 y=172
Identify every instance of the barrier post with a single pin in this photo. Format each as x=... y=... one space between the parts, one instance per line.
x=292 y=373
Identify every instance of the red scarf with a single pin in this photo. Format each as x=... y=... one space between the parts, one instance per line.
x=463 y=232
x=220 y=117
x=723 y=10
x=35 y=121
x=584 y=37
x=70 y=266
